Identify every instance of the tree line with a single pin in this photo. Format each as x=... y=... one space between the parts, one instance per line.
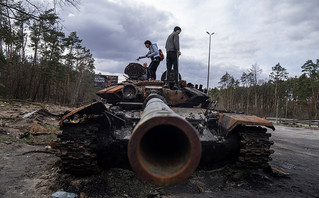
x=38 y=61
x=282 y=96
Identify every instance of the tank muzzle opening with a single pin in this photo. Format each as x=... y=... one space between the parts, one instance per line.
x=165 y=147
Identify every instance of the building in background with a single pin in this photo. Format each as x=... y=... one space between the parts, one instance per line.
x=105 y=80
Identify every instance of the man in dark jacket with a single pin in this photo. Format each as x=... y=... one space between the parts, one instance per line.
x=173 y=51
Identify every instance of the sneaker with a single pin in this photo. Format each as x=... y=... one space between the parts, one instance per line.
x=166 y=85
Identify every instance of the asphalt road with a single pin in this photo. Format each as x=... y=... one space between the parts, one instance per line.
x=297 y=152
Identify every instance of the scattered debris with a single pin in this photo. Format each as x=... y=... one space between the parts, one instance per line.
x=239 y=175
x=24 y=135
x=36 y=151
x=36 y=128
x=44 y=112
x=29 y=114
x=52 y=144
x=38 y=134
x=153 y=194
x=279 y=172
x=199 y=186
x=61 y=194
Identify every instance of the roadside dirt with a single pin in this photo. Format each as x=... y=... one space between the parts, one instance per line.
x=27 y=163
x=29 y=168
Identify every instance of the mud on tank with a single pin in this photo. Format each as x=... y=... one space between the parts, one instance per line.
x=162 y=134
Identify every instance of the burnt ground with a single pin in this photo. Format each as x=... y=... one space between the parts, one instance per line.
x=29 y=167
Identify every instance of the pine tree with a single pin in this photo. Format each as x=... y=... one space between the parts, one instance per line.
x=278 y=75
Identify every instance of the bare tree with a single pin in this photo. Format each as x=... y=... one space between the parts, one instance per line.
x=255 y=70
x=31 y=9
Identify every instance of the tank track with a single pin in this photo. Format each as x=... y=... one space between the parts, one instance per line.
x=254 y=148
x=77 y=148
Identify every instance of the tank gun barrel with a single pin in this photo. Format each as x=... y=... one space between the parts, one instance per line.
x=164 y=148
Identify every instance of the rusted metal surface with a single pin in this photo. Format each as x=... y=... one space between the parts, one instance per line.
x=93 y=108
x=112 y=92
x=230 y=121
x=255 y=147
x=129 y=92
x=76 y=149
x=134 y=70
x=182 y=83
x=111 y=89
x=174 y=97
x=164 y=148
x=152 y=82
x=171 y=76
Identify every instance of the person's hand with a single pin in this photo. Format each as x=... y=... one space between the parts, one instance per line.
x=147 y=56
x=179 y=53
x=138 y=59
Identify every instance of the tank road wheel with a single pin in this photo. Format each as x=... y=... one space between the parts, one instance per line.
x=77 y=148
x=254 y=147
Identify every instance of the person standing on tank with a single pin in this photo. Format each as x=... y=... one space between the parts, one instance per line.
x=153 y=53
x=173 y=52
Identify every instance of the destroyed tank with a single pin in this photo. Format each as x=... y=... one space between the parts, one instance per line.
x=164 y=135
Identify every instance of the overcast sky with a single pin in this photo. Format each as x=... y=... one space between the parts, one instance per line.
x=246 y=32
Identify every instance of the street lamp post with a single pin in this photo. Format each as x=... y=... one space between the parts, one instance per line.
x=210 y=35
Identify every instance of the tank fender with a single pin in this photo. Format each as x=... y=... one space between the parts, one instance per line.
x=93 y=108
x=228 y=121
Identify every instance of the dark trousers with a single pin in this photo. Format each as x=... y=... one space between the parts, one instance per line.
x=153 y=67
x=171 y=60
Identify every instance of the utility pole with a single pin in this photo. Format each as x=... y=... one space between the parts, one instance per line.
x=210 y=35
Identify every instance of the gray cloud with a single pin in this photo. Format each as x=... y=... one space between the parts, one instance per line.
x=117 y=31
x=195 y=72
x=247 y=32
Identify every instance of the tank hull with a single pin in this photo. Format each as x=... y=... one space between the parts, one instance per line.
x=162 y=134
x=220 y=145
